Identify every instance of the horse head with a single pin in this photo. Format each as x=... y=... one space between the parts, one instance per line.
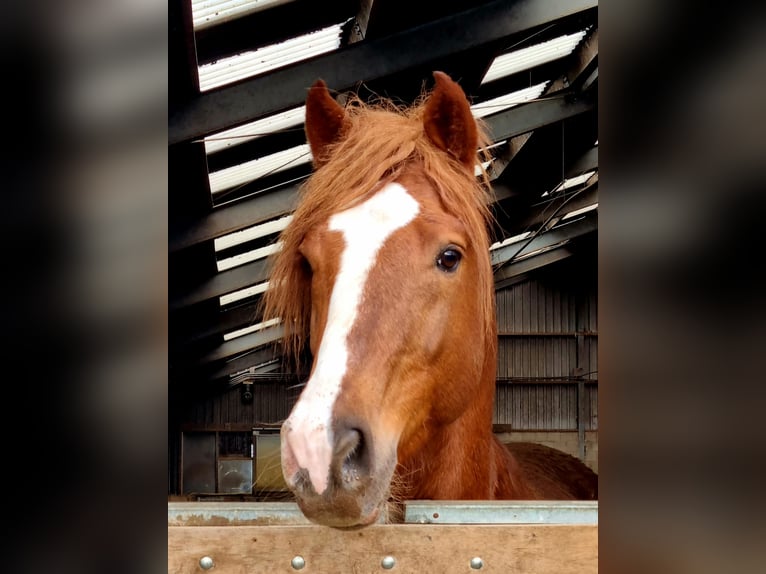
x=384 y=271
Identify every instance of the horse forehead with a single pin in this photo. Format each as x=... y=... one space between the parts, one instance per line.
x=377 y=217
x=406 y=208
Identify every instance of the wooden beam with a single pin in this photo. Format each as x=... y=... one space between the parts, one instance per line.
x=502 y=548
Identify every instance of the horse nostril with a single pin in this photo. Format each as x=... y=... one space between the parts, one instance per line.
x=346 y=443
x=350 y=457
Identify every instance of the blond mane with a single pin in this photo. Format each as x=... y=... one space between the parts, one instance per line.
x=381 y=141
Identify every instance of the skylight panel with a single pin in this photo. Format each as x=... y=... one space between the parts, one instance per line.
x=207 y=13
x=242 y=258
x=496 y=144
x=539 y=251
x=251 y=170
x=252 y=329
x=255 y=62
x=573 y=181
x=235 y=296
x=533 y=56
x=256 y=129
x=245 y=235
x=481 y=168
x=580 y=211
x=507 y=101
x=510 y=240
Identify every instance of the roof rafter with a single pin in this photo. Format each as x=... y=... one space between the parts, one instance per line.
x=269 y=93
x=263 y=207
x=580 y=64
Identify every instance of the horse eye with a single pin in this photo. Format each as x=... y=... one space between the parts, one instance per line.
x=448 y=259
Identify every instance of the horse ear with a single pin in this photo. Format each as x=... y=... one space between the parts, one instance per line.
x=325 y=121
x=448 y=121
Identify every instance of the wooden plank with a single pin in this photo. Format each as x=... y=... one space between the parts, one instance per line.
x=560 y=549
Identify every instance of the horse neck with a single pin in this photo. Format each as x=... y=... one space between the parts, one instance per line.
x=462 y=460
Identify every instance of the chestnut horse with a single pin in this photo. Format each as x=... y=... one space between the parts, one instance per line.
x=384 y=272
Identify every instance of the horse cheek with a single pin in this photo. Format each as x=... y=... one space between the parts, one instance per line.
x=456 y=379
x=437 y=325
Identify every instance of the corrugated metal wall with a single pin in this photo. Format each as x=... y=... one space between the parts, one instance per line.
x=544 y=407
x=547 y=341
x=270 y=405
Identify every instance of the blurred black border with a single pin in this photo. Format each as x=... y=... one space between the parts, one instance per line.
x=682 y=313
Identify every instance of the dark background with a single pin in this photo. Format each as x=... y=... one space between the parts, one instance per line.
x=682 y=294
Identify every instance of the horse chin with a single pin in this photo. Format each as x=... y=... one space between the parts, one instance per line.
x=343 y=506
x=339 y=515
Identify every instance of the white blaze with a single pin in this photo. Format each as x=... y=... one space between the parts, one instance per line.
x=365 y=228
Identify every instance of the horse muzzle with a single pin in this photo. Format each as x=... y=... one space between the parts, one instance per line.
x=341 y=478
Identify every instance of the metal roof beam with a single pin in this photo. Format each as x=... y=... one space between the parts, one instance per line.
x=235 y=217
x=528 y=117
x=585 y=163
x=580 y=64
x=361 y=21
x=576 y=200
x=518 y=270
x=546 y=240
x=238 y=346
x=186 y=373
x=190 y=328
x=257 y=357
x=266 y=206
x=221 y=284
x=285 y=88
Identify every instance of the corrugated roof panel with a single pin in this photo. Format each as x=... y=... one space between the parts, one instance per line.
x=533 y=56
x=251 y=329
x=207 y=13
x=573 y=181
x=254 y=232
x=256 y=129
x=509 y=240
x=506 y=101
x=255 y=62
x=481 y=168
x=243 y=293
x=251 y=170
x=580 y=211
x=242 y=258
